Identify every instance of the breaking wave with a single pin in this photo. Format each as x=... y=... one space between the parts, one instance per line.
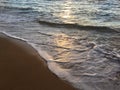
x=77 y=26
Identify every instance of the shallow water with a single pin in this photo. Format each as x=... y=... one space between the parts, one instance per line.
x=86 y=56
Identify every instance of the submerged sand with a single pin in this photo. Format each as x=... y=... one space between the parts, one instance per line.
x=21 y=68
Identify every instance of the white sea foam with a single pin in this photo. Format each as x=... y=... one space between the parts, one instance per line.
x=54 y=67
x=84 y=70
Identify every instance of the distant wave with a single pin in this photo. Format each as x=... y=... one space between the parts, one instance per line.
x=17 y=8
x=17 y=14
x=77 y=26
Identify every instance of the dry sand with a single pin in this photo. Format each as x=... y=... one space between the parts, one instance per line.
x=21 y=68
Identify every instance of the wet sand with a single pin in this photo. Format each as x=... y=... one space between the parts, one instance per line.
x=21 y=68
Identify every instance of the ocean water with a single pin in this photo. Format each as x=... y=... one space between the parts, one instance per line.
x=79 y=39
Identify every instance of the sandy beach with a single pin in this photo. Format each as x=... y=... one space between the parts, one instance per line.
x=21 y=68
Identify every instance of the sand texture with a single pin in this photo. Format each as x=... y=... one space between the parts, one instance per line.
x=21 y=68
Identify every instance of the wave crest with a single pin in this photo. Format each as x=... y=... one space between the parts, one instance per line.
x=77 y=26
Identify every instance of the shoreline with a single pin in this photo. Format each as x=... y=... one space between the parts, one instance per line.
x=21 y=67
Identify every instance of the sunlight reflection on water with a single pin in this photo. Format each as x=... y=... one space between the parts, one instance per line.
x=63 y=41
x=66 y=12
x=82 y=12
